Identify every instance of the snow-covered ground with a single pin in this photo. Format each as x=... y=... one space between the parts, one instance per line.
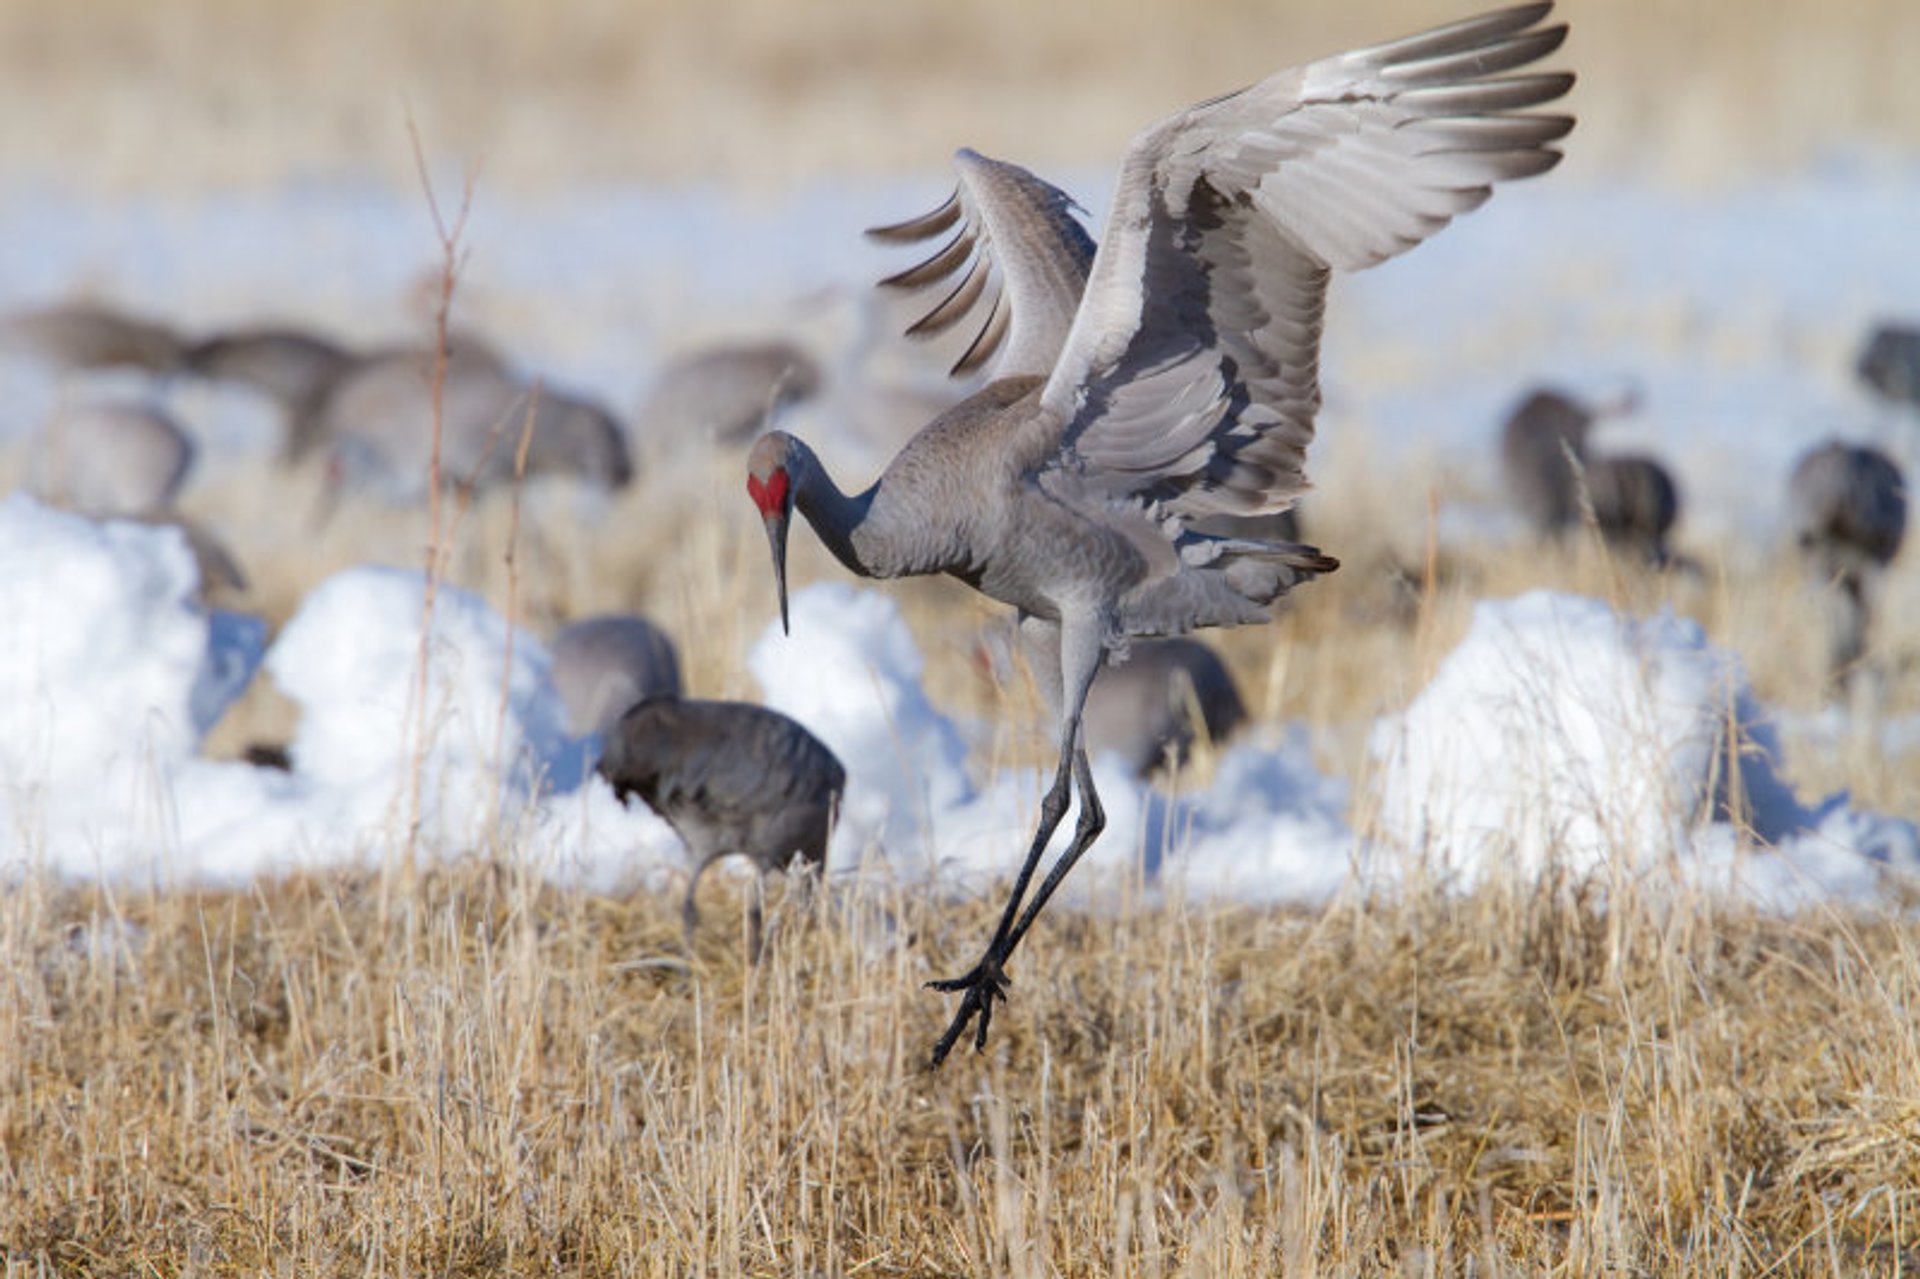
x=1555 y=729
x=1735 y=315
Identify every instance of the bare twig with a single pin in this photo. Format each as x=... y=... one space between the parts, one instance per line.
x=452 y=258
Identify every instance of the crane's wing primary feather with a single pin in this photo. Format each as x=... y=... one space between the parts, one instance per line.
x=1014 y=267
x=1190 y=374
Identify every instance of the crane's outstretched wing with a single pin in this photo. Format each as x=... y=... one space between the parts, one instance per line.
x=1015 y=266
x=1189 y=377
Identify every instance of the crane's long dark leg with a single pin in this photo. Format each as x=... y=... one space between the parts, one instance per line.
x=986 y=981
x=1078 y=655
x=1093 y=820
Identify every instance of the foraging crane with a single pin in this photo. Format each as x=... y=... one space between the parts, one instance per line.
x=377 y=423
x=1635 y=504
x=110 y=459
x=1890 y=363
x=1151 y=707
x=294 y=368
x=729 y=777
x=1550 y=473
x=301 y=371
x=1848 y=507
x=81 y=334
x=726 y=393
x=1169 y=375
x=602 y=665
x=116 y=461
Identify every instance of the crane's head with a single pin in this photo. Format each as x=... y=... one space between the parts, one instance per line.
x=770 y=483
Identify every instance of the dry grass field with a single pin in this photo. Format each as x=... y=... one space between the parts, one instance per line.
x=467 y=1071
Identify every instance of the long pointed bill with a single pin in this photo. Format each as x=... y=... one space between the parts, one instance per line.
x=777 y=540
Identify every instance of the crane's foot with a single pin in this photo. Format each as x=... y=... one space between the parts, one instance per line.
x=979 y=988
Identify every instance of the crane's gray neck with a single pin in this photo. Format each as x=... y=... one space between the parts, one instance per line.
x=836 y=516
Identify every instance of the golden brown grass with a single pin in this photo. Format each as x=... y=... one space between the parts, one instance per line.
x=494 y=1077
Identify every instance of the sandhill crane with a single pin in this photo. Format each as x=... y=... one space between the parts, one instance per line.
x=295 y=368
x=729 y=777
x=1848 y=506
x=1539 y=434
x=300 y=370
x=1890 y=363
x=1635 y=504
x=129 y=461
x=113 y=459
x=728 y=392
x=377 y=422
x=1170 y=374
x=93 y=335
x=1150 y=708
x=1552 y=474
x=602 y=665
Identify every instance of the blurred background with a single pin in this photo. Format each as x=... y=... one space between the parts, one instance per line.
x=138 y=95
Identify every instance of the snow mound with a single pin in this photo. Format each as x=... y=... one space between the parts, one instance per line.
x=1561 y=731
x=850 y=672
x=106 y=607
x=351 y=658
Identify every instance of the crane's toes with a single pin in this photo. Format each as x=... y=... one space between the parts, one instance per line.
x=985 y=973
x=979 y=988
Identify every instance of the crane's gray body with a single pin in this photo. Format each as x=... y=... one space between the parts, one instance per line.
x=1635 y=503
x=1549 y=465
x=1152 y=707
x=603 y=665
x=1847 y=505
x=727 y=393
x=113 y=459
x=1890 y=363
x=84 y=335
x=1535 y=443
x=377 y=421
x=730 y=778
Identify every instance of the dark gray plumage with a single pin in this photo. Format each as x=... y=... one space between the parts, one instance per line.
x=1848 y=508
x=1169 y=376
x=1890 y=363
x=1153 y=706
x=1635 y=504
x=1534 y=444
x=87 y=335
x=1553 y=474
x=729 y=777
x=602 y=665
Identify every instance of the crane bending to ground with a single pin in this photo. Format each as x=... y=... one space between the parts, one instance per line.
x=1166 y=377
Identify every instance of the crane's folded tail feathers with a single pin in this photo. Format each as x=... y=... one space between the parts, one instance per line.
x=1264 y=574
x=1227 y=582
